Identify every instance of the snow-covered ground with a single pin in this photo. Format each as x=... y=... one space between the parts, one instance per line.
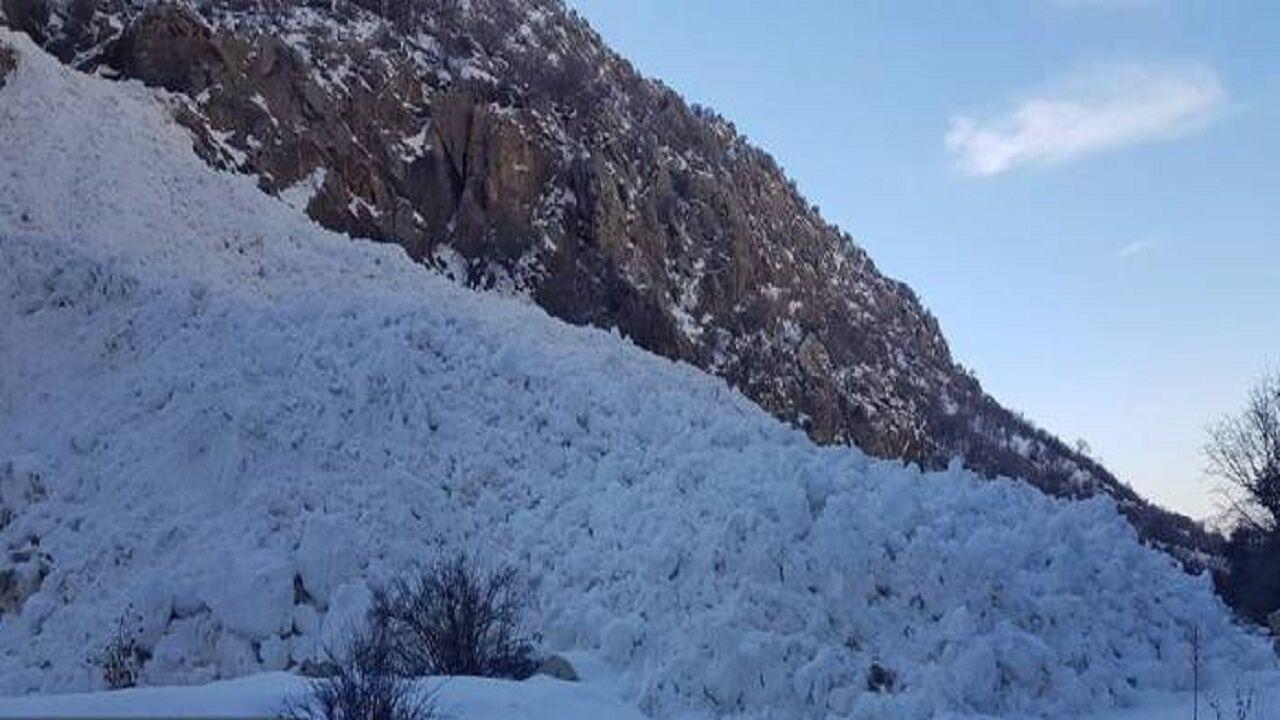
x=539 y=698
x=268 y=694
x=222 y=424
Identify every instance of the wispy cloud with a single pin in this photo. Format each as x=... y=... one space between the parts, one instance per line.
x=1138 y=247
x=1101 y=109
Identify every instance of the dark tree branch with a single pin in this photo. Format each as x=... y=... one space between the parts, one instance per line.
x=1243 y=453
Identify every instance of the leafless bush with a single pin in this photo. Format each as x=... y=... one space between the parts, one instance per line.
x=457 y=618
x=1244 y=707
x=120 y=660
x=363 y=685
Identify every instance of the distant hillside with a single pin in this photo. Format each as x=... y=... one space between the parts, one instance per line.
x=502 y=142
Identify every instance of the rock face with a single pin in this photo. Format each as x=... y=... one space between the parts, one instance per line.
x=501 y=142
x=7 y=63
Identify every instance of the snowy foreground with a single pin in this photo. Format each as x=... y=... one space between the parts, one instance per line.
x=222 y=424
x=480 y=699
x=540 y=698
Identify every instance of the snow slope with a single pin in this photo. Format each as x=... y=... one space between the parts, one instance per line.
x=222 y=423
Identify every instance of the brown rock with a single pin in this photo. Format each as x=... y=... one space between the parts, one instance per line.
x=29 y=16
x=20 y=581
x=168 y=46
x=8 y=62
x=558 y=667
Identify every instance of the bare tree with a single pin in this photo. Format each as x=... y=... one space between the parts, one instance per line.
x=1243 y=453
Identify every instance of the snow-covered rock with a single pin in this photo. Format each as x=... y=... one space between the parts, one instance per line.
x=558 y=667
x=218 y=395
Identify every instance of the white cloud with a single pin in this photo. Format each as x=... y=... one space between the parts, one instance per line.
x=1105 y=108
x=1137 y=247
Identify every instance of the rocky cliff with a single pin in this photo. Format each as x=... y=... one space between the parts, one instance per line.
x=502 y=143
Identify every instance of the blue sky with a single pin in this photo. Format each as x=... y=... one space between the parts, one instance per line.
x=1085 y=192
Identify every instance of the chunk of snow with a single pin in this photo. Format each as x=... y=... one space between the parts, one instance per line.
x=298 y=196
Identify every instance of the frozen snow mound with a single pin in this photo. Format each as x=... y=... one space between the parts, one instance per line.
x=223 y=424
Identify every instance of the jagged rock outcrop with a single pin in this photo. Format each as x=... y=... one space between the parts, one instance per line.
x=501 y=142
x=7 y=63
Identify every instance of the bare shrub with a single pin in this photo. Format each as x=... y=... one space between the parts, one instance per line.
x=1244 y=707
x=121 y=659
x=363 y=685
x=457 y=618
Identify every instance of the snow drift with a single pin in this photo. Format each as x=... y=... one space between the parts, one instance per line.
x=222 y=423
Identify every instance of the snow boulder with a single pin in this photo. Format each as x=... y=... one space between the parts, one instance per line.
x=327 y=557
x=251 y=594
x=347 y=612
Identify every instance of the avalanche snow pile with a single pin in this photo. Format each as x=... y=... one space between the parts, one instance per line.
x=222 y=423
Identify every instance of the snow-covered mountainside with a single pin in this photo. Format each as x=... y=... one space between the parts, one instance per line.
x=221 y=423
x=503 y=143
